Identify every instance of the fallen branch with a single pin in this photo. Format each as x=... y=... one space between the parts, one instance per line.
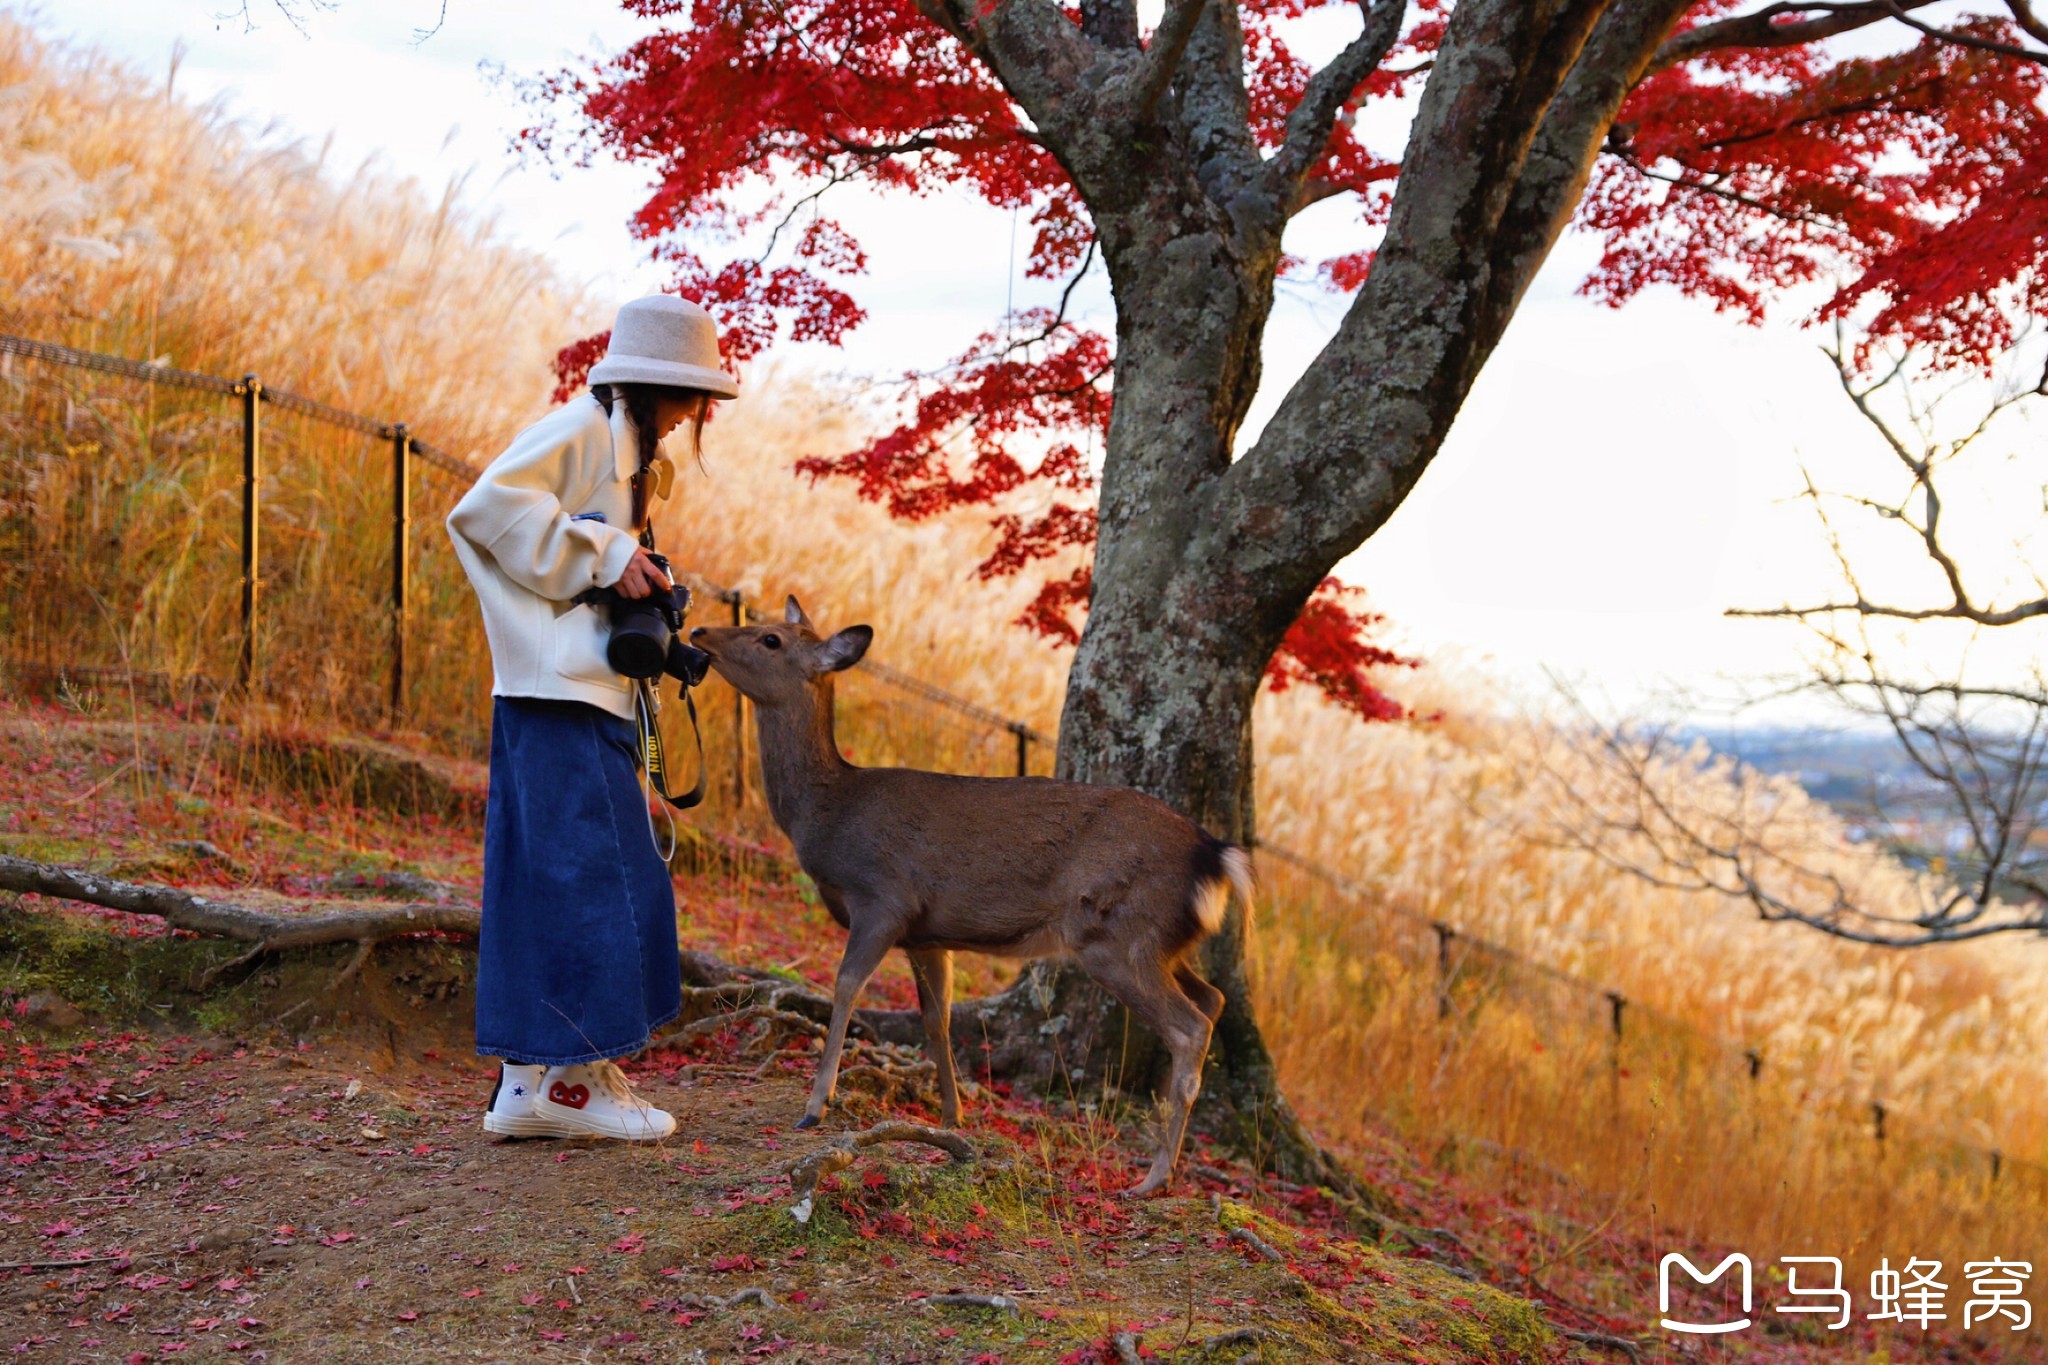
x=703 y=1302
x=1001 y=1303
x=224 y=919
x=1242 y=1336
x=60 y=1265
x=1257 y=1244
x=1604 y=1341
x=838 y=1154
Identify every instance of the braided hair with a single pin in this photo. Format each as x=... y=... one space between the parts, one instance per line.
x=640 y=400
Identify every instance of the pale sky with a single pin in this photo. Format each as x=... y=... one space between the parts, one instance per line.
x=1615 y=481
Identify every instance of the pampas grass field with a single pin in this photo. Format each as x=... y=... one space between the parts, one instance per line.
x=136 y=224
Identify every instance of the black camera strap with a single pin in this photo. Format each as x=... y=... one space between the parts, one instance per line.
x=654 y=758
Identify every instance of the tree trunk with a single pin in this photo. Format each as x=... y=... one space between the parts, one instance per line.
x=1203 y=563
x=1161 y=691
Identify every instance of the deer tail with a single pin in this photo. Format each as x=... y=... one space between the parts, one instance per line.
x=1220 y=868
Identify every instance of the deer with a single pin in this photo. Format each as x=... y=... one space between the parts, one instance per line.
x=1115 y=881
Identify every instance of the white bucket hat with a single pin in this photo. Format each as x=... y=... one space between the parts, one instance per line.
x=665 y=340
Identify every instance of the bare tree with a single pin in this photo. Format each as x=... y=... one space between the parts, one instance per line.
x=1636 y=796
x=297 y=12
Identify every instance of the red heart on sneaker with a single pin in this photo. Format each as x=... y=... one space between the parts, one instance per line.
x=573 y=1096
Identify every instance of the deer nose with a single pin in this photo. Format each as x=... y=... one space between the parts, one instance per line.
x=696 y=634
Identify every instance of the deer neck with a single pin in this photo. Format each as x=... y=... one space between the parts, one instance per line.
x=799 y=754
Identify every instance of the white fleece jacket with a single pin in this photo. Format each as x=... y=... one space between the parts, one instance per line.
x=517 y=534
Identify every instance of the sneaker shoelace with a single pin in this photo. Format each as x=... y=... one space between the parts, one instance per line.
x=613 y=1079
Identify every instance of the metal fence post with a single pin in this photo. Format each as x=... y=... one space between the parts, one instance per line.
x=739 y=714
x=1617 y=1002
x=1023 y=733
x=401 y=536
x=1444 y=934
x=251 y=390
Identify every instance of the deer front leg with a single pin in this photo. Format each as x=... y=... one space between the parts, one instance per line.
x=932 y=969
x=864 y=953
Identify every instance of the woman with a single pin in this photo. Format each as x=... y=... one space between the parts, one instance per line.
x=576 y=964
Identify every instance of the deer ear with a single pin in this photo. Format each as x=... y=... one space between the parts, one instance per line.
x=845 y=649
x=793 y=612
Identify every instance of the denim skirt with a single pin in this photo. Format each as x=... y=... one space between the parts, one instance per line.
x=577 y=955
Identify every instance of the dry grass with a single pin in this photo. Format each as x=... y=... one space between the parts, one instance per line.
x=137 y=225
x=1522 y=1079
x=140 y=225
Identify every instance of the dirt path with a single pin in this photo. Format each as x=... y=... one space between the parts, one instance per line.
x=304 y=1205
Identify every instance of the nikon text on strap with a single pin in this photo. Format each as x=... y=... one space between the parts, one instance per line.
x=654 y=759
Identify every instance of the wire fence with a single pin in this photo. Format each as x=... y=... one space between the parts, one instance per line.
x=193 y=517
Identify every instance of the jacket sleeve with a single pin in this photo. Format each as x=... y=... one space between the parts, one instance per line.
x=514 y=514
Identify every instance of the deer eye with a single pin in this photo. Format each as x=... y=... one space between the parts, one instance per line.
x=771 y=641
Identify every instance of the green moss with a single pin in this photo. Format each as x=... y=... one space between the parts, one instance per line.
x=948 y=1197
x=127 y=979
x=154 y=980
x=49 y=848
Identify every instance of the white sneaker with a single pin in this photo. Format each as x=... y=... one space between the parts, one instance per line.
x=595 y=1099
x=511 y=1110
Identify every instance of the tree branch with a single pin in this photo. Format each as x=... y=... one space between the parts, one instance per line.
x=1775 y=26
x=1163 y=53
x=1970 y=40
x=1976 y=755
x=1359 y=426
x=1112 y=23
x=1310 y=123
x=1029 y=45
x=2031 y=23
x=1746 y=852
x=1921 y=467
x=1560 y=161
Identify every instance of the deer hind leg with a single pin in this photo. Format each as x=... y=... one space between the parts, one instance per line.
x=1207 y=998
x=932 y=969
x=1150 y=992
x=864 y=953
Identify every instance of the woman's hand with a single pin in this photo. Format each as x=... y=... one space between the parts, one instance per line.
x=643 y=577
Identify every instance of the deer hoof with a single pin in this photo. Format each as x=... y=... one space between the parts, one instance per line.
x=807 y=1121
x=1148 y=1185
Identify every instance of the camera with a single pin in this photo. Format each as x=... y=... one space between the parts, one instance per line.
x=647 y=632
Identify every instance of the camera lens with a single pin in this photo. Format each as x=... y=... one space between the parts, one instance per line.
x=639 y=642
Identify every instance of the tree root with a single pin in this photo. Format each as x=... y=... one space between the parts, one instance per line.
x=764 y=1013
x=226 y=965
x=838 y=1154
